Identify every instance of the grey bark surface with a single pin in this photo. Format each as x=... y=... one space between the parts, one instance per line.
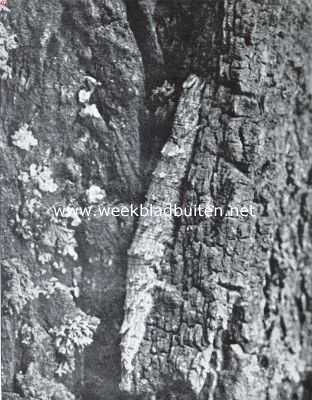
x=156 y=102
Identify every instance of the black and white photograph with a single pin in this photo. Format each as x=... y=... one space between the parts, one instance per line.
x=156 y=199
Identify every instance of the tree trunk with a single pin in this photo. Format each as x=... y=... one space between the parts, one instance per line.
x=124 y=103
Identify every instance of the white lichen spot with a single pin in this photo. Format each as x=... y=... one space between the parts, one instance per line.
x=45 y=258
x=24 y=139
x=24 y=177
x=45 y=181
x=90 y=110
x=43 y=177
x=161 y=174
x=69 y=250
x=59 y=266
x=7 y=42
x=37 y=193
x=31 y=205
x=95 y=194
x=84 y=96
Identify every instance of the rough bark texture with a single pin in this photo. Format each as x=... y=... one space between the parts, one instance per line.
x=156 y=101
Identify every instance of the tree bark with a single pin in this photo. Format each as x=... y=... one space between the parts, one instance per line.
x=192 y=104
